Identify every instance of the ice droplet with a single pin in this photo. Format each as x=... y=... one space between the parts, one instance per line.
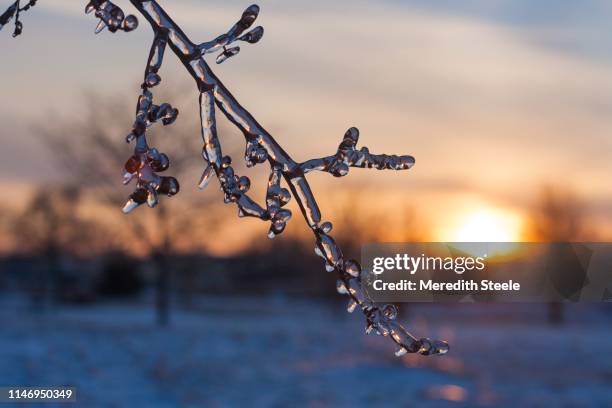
x=227 y=54
x=206 y=176
x=352 y=268
x=390 y=311
x=253 y=36
x=160 y=163
x=130 y=206
x=152 y=199
x=152 y=79
x=169 y=186
x=441 y=347
x=101 y=25
x=244 y=184
x=326 y=227
x=341 y=287
x=425 y=346
x=249 y=16
x=400 y=352
x=127 y=177
x=130 y=23
x=133 y=164
x=352 y=305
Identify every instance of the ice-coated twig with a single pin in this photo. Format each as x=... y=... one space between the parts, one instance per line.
x=348 y=156
x=111 y=16
x=235 y=34
x=262 y=147
x=146 y=161
x=15 y=10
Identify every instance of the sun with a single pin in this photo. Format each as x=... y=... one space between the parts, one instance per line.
x=488 y=225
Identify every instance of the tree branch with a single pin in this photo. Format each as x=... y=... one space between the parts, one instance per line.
x=261 y=147
x=144 y=164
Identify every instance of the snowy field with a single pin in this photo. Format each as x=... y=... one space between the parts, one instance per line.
x=275 y=352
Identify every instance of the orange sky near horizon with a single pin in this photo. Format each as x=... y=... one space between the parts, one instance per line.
x=494 y=104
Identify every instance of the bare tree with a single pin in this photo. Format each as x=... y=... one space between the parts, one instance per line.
x=557 y=217
x=51 y=226
x=359 y=223
x=92 y=165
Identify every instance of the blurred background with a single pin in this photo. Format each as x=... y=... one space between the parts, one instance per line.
x=504 y=103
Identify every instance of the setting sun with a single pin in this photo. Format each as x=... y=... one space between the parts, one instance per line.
x=487 y=225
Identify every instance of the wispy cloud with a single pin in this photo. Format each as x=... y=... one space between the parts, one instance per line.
x=495 y=95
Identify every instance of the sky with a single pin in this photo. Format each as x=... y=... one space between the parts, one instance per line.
x=494 y=98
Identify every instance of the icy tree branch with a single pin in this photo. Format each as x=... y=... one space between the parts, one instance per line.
x=261 y=147
x=15 y=10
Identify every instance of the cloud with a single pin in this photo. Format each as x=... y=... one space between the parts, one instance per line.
x=495 y=95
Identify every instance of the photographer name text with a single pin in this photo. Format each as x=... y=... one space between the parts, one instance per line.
x=463 y=285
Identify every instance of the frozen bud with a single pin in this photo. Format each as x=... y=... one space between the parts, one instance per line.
x=326 y=227
x=130 y=23
x=130 y=206
x=127 y=177
x=352 y=268
x=261 y=155
x=352 y=305
x=153 y=154
x=152 y=199
x=355 y=289
x=390 y=311
x=170 y=116
x=117 y=13
x=425 y=346
x=351 y=137
x=152 y=79
x=169 y=186
x=90 y=7
x=249 y=16
x=330 y=249
x=101 y=25
x=133 y=164
x=283 y=215
x=253 y=36
x=227 y=54
x=226 y=161
x=400 y=351
x=137 y=198
x=405 y=162
x=161 y=163
x=340 y=170
x=206 y=176
x=244 y=184
x=155 y=112
x=284 y=196
x=440 y=347
x=341 y=287
x=329 y=268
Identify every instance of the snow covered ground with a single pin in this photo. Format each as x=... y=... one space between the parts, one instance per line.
x=282 y=352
